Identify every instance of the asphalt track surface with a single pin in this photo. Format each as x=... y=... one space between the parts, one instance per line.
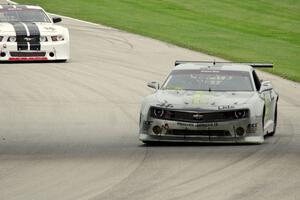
x=69 y=131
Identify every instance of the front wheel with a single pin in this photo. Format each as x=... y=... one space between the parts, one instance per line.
x=151 y=143
x=62 y=61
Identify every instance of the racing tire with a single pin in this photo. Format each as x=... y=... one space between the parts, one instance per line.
x=150 y=143
x=62 y=61
x=58 y=61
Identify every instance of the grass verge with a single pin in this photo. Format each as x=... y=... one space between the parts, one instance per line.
x=256 y=30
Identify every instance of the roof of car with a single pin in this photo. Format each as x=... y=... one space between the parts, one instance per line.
x=8 y=6
x=218 y=66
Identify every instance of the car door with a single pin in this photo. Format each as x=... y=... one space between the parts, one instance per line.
x=268 y=106
x=274 y=98
x=268 y=99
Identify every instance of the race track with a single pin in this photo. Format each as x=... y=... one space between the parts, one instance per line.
x=69 y=131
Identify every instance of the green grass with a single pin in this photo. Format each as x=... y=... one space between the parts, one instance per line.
x=248 y=30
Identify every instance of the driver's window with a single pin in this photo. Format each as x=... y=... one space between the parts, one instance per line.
x=256 y=80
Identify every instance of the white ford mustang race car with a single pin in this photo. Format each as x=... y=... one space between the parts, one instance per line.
x=210 y=102
x=27 y=33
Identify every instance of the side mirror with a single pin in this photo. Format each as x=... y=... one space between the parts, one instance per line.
x=265 y=86
x=154 y=85
x=56 y=19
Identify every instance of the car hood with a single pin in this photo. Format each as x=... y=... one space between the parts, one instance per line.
x=44 y=28
x=202 y=99
x=50 y=28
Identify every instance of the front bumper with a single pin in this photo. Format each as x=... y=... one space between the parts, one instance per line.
x=50 y=51
x=216 y=132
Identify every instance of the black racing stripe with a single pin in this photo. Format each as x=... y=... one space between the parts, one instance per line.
x=35 y=35
x=21 y=33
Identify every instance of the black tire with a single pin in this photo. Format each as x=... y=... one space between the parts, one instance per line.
x=275 y=123
x=151 y=143
x=60 y=61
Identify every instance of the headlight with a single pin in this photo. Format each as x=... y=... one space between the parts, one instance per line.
x=1 y=38
x=57 y=38
x=12 y=39
x=43 y=39
x=240 y=114
x=157 y=112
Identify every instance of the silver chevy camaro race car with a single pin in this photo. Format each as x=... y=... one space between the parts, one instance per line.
x=210 y=102
x=27 y=33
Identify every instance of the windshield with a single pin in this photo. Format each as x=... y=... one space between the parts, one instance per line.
x=23 y=15
x=208 y=80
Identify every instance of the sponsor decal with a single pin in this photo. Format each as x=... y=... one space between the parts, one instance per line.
x=146 y=125
x=197 y=125
x=28 y=59
x=166 y=126
x=227 y=107
x=210 y=71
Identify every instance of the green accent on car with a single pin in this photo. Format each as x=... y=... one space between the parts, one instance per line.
x=198 y=98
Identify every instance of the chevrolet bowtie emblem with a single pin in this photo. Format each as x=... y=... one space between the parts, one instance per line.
x=198 y=116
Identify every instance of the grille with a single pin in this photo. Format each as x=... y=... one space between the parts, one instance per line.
x=28 y=54
x=196 y=117
x=199 y=132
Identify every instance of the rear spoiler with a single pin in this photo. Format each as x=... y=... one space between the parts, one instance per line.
x=256 y=65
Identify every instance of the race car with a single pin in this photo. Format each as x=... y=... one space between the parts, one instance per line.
x=210 y=102
x=27 y=33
